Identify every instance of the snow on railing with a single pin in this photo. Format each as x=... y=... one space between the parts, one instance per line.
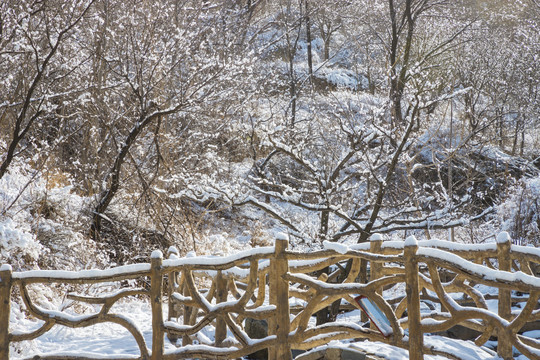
x=287 y=289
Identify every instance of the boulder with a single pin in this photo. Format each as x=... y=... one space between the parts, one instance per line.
x=257 y=329
x=332 y=353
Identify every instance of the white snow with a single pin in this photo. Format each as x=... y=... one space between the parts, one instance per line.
x=6 y=267
x=480 y=270
x=376 y=237
x=104 y=340
x=221 y=260
x=411 y=241
x=466 y=350
x=83 y=274
x=173 y=250
x=503 y=237
x=386 y=351
x=14 y=238
x=337 y=247
x=190 y=348
x=454 y=246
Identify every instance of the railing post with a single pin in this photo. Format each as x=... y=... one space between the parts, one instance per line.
x=188 y=310
x=279 y=325
x=504 y=345
x=376 y=241
x=416 y=336
x=186 y=340
x=375 y=268
x=5 y=310
x=172 y=253
x=156 y=289
x=221 y=296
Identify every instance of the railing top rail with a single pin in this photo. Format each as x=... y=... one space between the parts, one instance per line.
x=113 y=274
x=442 y=244
x=132 y=271
x=299 y=261
x=531 y=252
x=528 y=251
x=220 y=262
x=481 y=273
x=445 y=245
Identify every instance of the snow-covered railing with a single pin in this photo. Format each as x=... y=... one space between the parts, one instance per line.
x=514 y=272
x=501 y=266
x=10 y=280
x=287 y=288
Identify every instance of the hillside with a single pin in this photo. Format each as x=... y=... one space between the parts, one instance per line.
x=219 y=126
x=211 y=126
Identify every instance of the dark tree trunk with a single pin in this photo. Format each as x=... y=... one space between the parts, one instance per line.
x=20 y=130
x=115 y=171
x=308 y=39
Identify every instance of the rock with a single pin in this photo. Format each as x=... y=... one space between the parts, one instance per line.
x=331 y=353
x=257 y=329
x=530 y=326
x=460 y=332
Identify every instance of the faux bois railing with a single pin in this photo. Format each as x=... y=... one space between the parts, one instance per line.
x=269 y=283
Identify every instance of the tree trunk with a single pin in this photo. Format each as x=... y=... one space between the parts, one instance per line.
x=115 y=171
x=22 y=129
x=292 y=89
x=308 y=39
x=323 y=230
x=327 y=47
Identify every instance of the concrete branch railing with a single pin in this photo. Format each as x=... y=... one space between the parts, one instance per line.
x=279 y=285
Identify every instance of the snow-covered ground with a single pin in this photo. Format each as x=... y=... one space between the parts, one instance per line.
x=110 y=340
x=465 y=350
x=100 y=341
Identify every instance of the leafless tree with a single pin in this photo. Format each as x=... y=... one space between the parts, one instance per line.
x=32 y=35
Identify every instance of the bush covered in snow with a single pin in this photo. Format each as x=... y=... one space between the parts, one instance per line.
x=520 y=211
x=42 y=223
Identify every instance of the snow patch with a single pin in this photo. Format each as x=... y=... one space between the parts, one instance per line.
x=6 y=267
x=14 y=238
x=376 y=237
x=411 y=241
x=503 y=237
x=480 y=270
x=337 y=247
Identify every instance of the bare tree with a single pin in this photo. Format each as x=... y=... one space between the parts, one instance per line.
x=352 y=169
x=32 y=34
x=160 y=69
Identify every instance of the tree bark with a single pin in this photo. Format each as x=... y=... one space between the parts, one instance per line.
x=308 y=39
x=20 y=130
x=115 y=171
